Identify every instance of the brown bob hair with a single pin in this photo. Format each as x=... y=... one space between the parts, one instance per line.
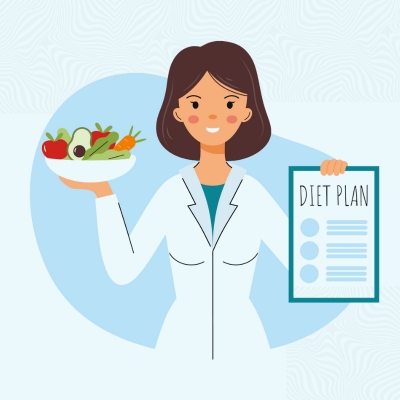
x=231 y=65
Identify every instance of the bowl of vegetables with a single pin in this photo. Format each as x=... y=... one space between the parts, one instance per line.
x=90 y=156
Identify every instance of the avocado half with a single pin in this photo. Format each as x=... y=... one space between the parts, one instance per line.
x=80 y=143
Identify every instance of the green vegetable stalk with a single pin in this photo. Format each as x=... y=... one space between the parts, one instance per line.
x=64 y=135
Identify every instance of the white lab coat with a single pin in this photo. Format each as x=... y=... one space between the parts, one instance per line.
x=212 y=316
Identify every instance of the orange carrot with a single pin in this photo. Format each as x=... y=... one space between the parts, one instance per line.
x=128 y=142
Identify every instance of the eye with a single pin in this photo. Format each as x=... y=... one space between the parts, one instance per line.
x=229 y=104
x=195 y=104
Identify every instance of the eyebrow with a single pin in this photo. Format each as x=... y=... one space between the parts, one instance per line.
x=193 y=95
x=231 y=95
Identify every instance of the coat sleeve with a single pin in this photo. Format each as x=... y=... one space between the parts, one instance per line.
x=273 y=224
x=125 y=255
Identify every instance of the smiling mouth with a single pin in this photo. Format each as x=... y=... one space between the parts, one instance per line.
x=212 y=130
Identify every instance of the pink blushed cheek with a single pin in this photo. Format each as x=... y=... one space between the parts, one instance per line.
x=231 y=119
x=193 y=119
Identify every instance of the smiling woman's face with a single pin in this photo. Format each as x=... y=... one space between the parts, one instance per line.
x=212 y=112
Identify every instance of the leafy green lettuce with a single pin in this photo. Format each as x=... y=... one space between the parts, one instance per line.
x=101 y=146
x=111 y=155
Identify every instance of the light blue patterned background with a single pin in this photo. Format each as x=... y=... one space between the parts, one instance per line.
x=305 y=51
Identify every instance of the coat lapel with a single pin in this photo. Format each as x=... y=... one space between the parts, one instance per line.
x=225 y=207
x=199 y=206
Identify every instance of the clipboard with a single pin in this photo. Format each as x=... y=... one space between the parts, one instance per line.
x=334 y=235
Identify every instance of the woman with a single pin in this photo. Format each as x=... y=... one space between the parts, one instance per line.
x=212 y=213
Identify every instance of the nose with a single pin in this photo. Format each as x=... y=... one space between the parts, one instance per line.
x=212 y=116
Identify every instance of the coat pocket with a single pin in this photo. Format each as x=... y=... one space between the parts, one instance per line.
x=243 y=263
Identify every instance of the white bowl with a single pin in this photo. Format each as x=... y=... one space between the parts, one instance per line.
x=90 y=171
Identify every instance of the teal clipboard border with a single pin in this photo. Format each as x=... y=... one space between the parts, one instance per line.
x=375 y=299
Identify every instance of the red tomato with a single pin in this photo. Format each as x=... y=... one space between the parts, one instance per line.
x=55 y=149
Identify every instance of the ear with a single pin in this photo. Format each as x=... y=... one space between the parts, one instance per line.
x=248 y=113
x=176 y=114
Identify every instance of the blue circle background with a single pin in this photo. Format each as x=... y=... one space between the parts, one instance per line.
x=309 y=273
x=309 y=227
x=64 y=220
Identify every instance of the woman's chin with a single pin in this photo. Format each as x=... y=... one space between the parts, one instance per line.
x=212 y=140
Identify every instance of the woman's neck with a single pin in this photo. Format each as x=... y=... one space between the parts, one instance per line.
x=212 y=168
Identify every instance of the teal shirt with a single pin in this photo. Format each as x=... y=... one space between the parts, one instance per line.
x=212 y=193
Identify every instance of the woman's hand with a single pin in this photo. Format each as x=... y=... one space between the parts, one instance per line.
x=336 y=167
x=100 y=189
